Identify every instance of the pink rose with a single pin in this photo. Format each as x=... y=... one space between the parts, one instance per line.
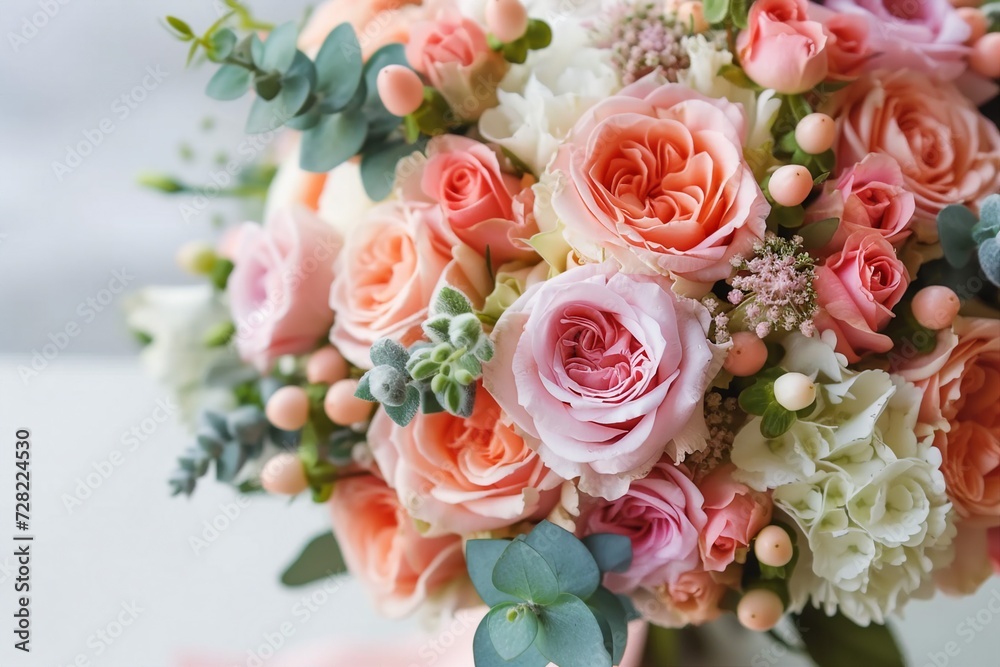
x=971 y=566
x=925 y=35
x=868 y=196
x=655 y=177
x=278 y=289
x=386 y=276
x=961 y=383
x=848 y=49
x=453 y=53
x=601 y=371
x=781 y=48
x=993 y=545
x=693 y=599
x=463 y=475
x=381 y=546
x=662 y=515
x=463 y=177
x=856 y=289
x=948 y=152
x=735 y=512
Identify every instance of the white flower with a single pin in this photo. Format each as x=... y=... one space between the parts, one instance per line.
x=177 y=319
x=541 y=100
x=344 y=202
x=707 y=58
x=866 y=494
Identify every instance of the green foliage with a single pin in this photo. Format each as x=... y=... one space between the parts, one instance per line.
x=716 y=11
x=833 y=641
x=547 y=601
x=319 y=559
x=228 y=440
x=537 y=36
x=433 y=375
x=964 y=237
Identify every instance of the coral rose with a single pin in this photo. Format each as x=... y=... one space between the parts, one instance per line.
x=399 y=567
x=655 y=177
x=602 y=371
x=948 y=151
x=781 y=48
x=961 y=383
x=463 y=475
x=662 y=514
x=386 y=276
x=279 y=287
x=856 y=289
x=694 y=598
x=735 y=513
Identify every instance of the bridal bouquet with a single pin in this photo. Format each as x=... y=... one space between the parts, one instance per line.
x=594 y=311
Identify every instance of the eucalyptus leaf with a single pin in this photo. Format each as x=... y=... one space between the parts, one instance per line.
x=608 y=608
x=612 y=553
x=522 y=572
x=485 y=654
x=513 y=629
x=230 y=82
x=834 y=641
x=817 y=234
x=481 y=557
x=378 y=167
x=575 y=569
x=294 y=93
x=265 y=116
x=955 y=224
x=338 y=68
x=570 y=635
x=335 y=140
x=319 y=559
x=223 y=43
x=279 y=49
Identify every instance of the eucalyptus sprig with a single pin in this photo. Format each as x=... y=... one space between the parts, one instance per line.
x=435 y=375
x=547 y=602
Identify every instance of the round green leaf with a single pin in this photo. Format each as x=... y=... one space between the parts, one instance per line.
x=572 y=563
x=570 y=634
x=955 y=225
x=513 y=629
x=279 y=49
x=522 y=572
x=378 y=167
x=338 y=68
x=335 y=140
x=319 y=559
x=613 y=553
x=716 y=11
x=486 y=655
x=229 y=83
x=481 y=557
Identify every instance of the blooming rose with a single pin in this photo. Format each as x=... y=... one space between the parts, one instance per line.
x=662 y=515
x=735 y=514
x=655 y=177
x=856 y=289
x=463 y=475
x=848 y=49
x=781 y=48
x=463 y=177
x=692 y=599
x=376 y=22
x=601 y=370
x=868 y=196
x=453 y=53
x=949 y=152
x=961 y=383
x=382 y=547
x=279 y=287
x=386 y=277
x=925 y=35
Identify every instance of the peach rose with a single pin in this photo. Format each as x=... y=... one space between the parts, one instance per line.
x=655 y=177
x=856 y=289
x=376 y=22
x=848 y=49
x=463 y=177
x=961 y=383
x=971 y=566
x=279 y=287
x=993 y=547
x=949 y=152
x=386 y=276
x=735 y=512
x=463 y=475
x=781 y=48
x=693 y=599
x=453 y=53
x=868 y=196
x=381 y=546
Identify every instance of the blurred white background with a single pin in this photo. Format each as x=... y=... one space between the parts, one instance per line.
x=65 y=67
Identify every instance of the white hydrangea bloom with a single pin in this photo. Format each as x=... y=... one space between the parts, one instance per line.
x=541 y=100
x=866 y=494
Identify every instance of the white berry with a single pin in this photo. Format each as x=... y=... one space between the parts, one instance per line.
x=794 y=391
